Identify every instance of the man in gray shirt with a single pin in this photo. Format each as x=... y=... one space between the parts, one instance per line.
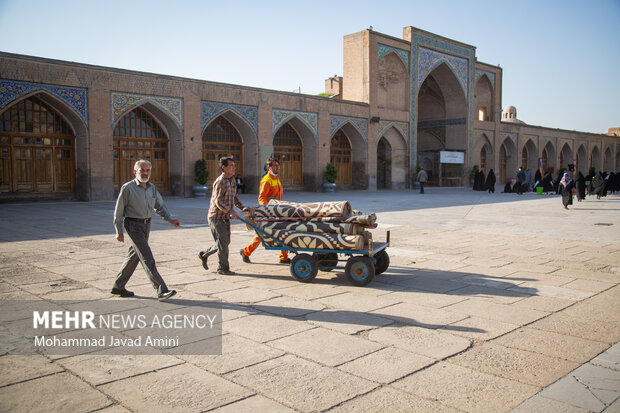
x=134 y=207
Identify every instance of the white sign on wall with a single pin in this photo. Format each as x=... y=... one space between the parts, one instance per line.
x=451 y=157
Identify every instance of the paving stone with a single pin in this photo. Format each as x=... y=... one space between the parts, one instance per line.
x=429 y=283
x=519 y=365
x=589 y=387
x=356 y=302
x=253 y=404
x=301 y=384
x=454 y=386
x=245 y=295
x=263 y=328
x=289 y=307
x=545 y=304
x=386 y=365
x=494 y=295
x=237 y=353
x=424 y=298
x=605 y=331
x=17 y=368
x=552 y=344
x=610 y=359
x=542 y=404
x=60 y=392
x=387 y=399
x=99 y=369
x=348 y=322
x=552 y=291
x=500 y=312
x=325 y=346
x=423 y=341
x=182 y=388
x=408 y=313
x=477 y=328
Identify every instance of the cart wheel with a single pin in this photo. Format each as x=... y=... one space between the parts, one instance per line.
x=360 y=270
x=382 y=262
x=304 y=268
x=327 y=259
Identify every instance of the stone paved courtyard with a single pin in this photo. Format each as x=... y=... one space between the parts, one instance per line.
x=489 y=300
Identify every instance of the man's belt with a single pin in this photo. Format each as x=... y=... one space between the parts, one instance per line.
x=142 y=220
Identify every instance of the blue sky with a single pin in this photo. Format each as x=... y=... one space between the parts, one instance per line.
x=560 y=59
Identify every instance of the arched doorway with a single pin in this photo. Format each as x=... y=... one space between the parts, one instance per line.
x=595 y=159
x=287 y=147
x=548 y=158
x=529 y=158
x=503 y=163
x=220 y=139
x=137 y=135
x=483 y=160
x=442 y=116
x=582 y=160
x=37 y=149
x=384 y=164
x=507 y=160
x=607 y=160
x=566 y=156
x=340 y=156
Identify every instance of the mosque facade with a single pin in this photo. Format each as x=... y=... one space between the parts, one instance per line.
x=70 y=130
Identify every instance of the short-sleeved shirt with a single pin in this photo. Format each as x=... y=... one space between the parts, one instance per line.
x=224 y=197
x=136 y=201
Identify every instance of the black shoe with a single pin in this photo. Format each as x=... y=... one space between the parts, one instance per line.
x=203 y=255
x=244 y=257
x=286 y=261
x=122 y=292
x=165 y=295
x=226 y=272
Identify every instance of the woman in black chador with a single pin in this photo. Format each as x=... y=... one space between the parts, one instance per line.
x=597 y=185
x=490 y=183
x=566 y=190
x=580 y=186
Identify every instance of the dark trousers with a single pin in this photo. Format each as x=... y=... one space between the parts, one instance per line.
x=421 y=187
x=139 y=251
x=220 y=229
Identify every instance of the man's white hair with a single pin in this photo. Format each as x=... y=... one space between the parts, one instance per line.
x=136 y=166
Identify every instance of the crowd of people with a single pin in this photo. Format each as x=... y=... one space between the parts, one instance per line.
x=597 y=184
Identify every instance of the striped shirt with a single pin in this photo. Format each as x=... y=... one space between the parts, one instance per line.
x=135 y=201
x=224 y=197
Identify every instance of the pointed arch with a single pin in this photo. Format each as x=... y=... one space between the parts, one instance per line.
x=582 y=160
x=62 y=164
x=395 y=159
x=607 y=159
x=595 y=158
x=507 y=159
x=307 y=176
x=484 y=99
x=529 y=156
x=358 y=154
x=392 y=83
x=247 y=154
x=483 y=153
x=566 y=156
x=548 y=158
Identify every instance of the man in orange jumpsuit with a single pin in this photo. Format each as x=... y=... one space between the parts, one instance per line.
x=270 y=188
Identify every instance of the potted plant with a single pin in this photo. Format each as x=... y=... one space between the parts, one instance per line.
x=330 y=175
x=200 y=176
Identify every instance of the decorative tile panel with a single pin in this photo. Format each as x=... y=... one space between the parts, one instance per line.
x=490 y=75
x=336 y=122
x=76 y=98
x=402 y=127
x=281 y=116
x=122 y=102
x=383 y=49
x=429 y=59
x=211 y=110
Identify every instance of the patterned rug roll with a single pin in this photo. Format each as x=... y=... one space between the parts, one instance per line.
x=283 y=209
x=316 y=240
x=313 y=226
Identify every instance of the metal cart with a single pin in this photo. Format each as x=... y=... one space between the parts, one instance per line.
x=360 y=266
